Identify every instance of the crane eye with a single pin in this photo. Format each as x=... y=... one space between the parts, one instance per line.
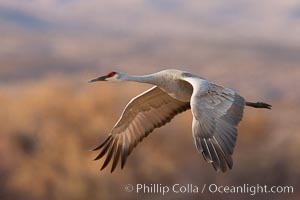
x=111 y=74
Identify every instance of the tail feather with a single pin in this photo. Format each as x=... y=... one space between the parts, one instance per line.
x=259 y=105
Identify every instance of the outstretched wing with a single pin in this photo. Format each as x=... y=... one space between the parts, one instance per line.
x=216 y=114
x=149 y=110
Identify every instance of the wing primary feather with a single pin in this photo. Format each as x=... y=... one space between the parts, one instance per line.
x=104 y=150
x=124 y=158
x=227 y=157
x=223 y=163
x=124 y=152
x=109 y=154
x=206 y=153
x=215 y=157
x=116 y=156
x=215 y=166
x=222 y=141
x=198 y=144
x=102 y=144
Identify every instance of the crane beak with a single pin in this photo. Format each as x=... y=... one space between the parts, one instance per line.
x=101 y=78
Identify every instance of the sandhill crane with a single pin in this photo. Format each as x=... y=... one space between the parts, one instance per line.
x=216 y=113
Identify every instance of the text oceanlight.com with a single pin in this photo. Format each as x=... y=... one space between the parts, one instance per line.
x=208 y=188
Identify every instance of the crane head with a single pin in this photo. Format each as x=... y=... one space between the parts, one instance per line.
x=111 y=76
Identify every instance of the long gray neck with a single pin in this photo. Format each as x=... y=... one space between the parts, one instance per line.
x=150 y=79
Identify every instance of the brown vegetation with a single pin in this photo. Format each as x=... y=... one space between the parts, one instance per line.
x=48 y=126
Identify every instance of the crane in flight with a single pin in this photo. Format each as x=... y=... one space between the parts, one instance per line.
x=216 y=113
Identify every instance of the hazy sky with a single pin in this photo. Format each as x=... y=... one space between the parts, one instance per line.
x=268 y=19
x=43 y=35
